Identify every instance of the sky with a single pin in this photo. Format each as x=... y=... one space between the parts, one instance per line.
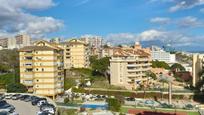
x=176 y=22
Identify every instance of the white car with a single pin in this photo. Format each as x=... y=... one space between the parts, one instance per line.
x=8 y=96
x=41 y=102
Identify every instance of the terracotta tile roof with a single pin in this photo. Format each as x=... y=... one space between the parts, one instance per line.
x=129 y=52
x=40 y=48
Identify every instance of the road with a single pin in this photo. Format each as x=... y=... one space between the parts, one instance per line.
x=24 y=108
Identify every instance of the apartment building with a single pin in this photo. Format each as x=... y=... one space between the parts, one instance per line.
x=198 y=66
x=161 y=55
x=22 y=40
x=41 y=69
x=92 y=41
x=4 y=42
x=128 y=67
x=76 y=54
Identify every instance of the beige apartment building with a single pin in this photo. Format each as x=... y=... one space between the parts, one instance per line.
x=41 y=69
x=198 y=66
x=128 y=67
x=76 y=54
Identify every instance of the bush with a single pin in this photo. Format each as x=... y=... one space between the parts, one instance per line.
x=113 y=104
x=66 y=100
x=16 y=88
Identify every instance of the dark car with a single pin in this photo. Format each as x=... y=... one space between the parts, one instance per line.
x=4 y=106
x=2 y=96
x=25 y=98
x=36 y=100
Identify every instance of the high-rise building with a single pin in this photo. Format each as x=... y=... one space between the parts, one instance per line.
x=55 y=40
x=128 y=67
x=12 y=43
x=92 y=41
x=41 y=69
x=198 y=67
x=22 y=40
x=76 y=54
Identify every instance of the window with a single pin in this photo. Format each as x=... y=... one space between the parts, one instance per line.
x=42 y=69
x=36 y=69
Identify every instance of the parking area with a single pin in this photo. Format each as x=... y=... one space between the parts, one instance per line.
x=26 y=104
x=23 y=108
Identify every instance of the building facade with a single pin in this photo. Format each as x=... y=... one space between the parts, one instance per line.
x=76 y=54
x=4 y=42
x=128 y=68
x=41 y=69
x=161 y=55
x=22 y=40
x=198 y=66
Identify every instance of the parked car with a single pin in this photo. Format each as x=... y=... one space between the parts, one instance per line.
x=2 y=96
x=44 y=113
x=8 y=96
x=36 y=100
x=2 y=112
x=48 y=107
x=4 y=106
x=25 y=98
x=16 y=96
x=40 y=102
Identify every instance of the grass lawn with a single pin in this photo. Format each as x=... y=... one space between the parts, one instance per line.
x=125 y=110
x=7 y=78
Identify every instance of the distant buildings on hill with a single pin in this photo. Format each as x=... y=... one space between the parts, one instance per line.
x=17 y=41
x=161 y=55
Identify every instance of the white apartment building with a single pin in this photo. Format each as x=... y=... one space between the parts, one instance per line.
x=161 y=55
x=128 y=67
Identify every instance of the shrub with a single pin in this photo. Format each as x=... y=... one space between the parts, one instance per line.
x=113 y=104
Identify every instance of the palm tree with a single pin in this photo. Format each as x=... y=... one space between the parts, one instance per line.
x=164 y=79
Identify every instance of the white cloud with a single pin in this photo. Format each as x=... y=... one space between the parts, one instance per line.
x=167 y=37
x=190 y=21
x=160 y=20
x=185 y=4
x=15 y=17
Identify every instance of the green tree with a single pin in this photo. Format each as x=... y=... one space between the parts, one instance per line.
x=114 y=104
x=160 y=64
x=101 y=65
x=151 y=74
x=16 y=88
x=177 y=67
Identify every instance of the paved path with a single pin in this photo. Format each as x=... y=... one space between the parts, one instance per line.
x=24 y=108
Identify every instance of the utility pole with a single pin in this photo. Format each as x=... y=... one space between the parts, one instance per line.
x=170 y=93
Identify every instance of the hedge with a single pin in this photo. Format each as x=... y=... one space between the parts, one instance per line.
x=152 y=95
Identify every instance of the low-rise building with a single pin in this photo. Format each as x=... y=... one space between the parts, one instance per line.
x=41 y=69
x=128 y=67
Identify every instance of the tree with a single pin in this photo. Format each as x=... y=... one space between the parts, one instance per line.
x=160 y=64
x=101 y=65
x=16 y=88
x=151 y=74
x=113 y=104
x=177 y=67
